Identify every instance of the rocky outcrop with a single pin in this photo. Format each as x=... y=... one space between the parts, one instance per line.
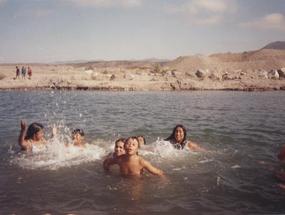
x=273 y=74
x=112 y=77
x=214 y=77
x=281 y=73
x=202 y=73
x=227 y=77
x=262 y=74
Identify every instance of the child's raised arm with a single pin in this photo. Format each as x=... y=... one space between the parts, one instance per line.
x=23 y=144
x=150 y=168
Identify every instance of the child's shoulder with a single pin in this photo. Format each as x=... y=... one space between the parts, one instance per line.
x=142 y=160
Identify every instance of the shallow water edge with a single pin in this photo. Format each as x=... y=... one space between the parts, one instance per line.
x=116 y=89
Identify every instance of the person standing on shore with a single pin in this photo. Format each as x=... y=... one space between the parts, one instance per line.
x=29 y=72
x=17 y=72
x=23 y=72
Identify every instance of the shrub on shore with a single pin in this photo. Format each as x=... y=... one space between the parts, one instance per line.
x=2 y=76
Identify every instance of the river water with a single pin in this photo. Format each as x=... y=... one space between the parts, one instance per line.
x=242 y=132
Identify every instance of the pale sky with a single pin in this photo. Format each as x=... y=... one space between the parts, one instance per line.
x=64 y=30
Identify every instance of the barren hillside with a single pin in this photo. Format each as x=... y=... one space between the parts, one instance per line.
x=265 y=59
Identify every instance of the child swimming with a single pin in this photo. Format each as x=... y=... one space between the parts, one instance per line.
x=78 y=137
x=141 y=140
x=178 y=139
x=118 y=151
x=130 y=163
x=31 y=138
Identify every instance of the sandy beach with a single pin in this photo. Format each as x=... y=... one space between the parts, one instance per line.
x=263 y=69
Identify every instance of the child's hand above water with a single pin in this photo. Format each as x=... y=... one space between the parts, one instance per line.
x=23 y=125
x=54 y=131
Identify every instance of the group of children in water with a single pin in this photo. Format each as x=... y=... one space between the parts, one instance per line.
x=125 y=153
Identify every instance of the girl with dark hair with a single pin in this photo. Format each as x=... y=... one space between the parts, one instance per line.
x=31 y=137
x=119 y=150
x=178 y=139
x=141 y=140
x=78 y=137
x=119 y=147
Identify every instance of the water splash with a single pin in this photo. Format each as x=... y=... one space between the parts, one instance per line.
x=162 y=149
x=57 y=153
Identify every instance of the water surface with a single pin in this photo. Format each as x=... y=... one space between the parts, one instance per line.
x=239 y=129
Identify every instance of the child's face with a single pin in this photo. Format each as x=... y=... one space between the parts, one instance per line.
x=141 y=141
x=119 y=148
x=131 y=147
x=179 y=134
x=77 y=138
x=39 y=135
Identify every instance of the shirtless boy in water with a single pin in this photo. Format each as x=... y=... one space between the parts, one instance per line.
x=131 y=164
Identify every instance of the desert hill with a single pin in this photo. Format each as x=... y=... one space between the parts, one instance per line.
x=265 y=59
x=280 y=45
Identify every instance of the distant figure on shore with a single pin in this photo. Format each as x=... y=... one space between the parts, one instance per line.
x=23 y=72
x=32 y=138
x=17 y=72
x=118 y=151
x=29 y=72
x=179 y=141
x=131 y=164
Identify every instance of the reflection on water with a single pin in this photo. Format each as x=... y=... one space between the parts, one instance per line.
x=242 y=131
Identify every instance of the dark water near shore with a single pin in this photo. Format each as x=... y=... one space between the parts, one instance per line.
x=239 y=129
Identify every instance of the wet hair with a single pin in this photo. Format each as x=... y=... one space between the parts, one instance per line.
x=78 y=131
x=120 y=140
x=172 y=136
x=134 y=138
x=33 y=129
x=142 y=137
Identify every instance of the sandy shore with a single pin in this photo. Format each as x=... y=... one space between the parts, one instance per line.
x=256 y=71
